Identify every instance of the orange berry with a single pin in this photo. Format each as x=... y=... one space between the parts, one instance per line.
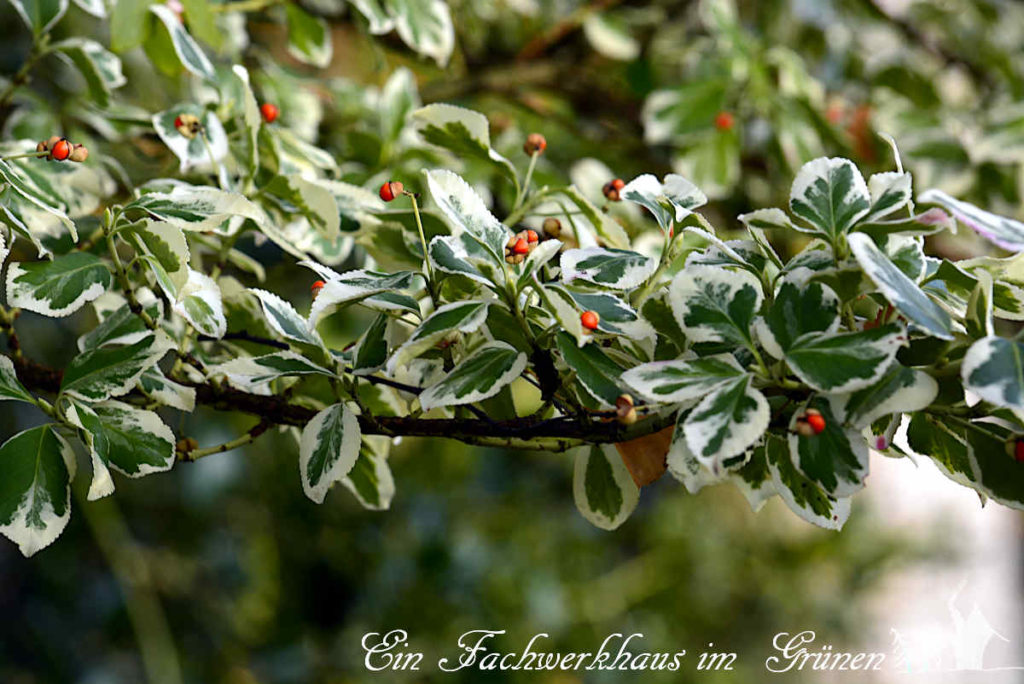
x=391 y=190
x=316 y=287
x=535 y=144
x=724 y=121
x=815 y=420
x=590 y=320
x=531 y=236
x=521 y=247
x=62 y=150
x=270 y=112
x=611 y=189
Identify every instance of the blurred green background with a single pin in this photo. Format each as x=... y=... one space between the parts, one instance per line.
x=222 y=571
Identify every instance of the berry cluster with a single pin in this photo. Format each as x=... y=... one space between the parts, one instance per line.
x=810 y=423
x=61 y=149
x=520 y=245
x=613 y=188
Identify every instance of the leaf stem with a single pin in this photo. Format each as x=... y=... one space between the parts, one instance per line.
x=246 y=438
x=431 y=284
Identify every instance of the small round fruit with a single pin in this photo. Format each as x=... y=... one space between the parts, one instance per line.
x=79 y=153
x=62 y=150
x=316 y=287
x=612 y=189
x=531 y=236
x=552 y=227
x=815 y=420
x=535 y=144
x=391 y=190
x=724 y=121
x=41 y=146
x=270 y=112
x=188 y=125
x=521 y=247
x=590 y=320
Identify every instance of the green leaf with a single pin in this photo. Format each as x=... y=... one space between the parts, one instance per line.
x=993 y=368
x=197 y=208
x=328 y=450
x=901 y=390
x=57 y=288
x=164 y=242
x=830 y=195
x=40 y=15
x=670 y=201
x=251 y=118
x=99 y=374
x=35 y=491
x=202 y=22
x=253 y=372
x=715 y=305
x=169 y=393
x=603 y=490
x=1000 y=477
x=128 y=24
x=900 y=290
x=978 y=316
x=458 y=317
x=677 y=114
x=803 y=496
x=189 y=54
x=121 y=326
x=449 y=254
x=284 y=319
x=930 y=222
x=728 y=421
x=100 y=68
x=464 y=132
x=480 y=375
x=10 y=387
x=133 y=441
x=768 y=219
x=669 y=382
x=371 y=350
x=754 y=479
x=845 y=362
x=466 y=212
x=889 y=191
x=1005 y=232
x=370 y=479
x=595 y=371
x=352 y=286
x=309 y=38
x=945 y=445
x=616 y=317
x=27 y=186
x=797 y=310
x=425 y=26
x=836 y=459
x=616 y=269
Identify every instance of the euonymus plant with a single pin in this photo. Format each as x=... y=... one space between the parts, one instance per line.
x=616 y=326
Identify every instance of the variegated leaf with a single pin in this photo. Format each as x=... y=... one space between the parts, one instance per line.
x=616 y=269
x=670 y=382
x=282 y=317
x=466 y=212
x=425 y=26
x=845 y=362
x=457 y=317
x=728 y=421
x=252 y=372
x=901 y=390
x=309 y=37
x=599 y=375
x=464 y=132
x=480 y=375
x=804 y=497
x=57 y=288
x=993 y=368
x=99 y=374
x=199 y=302
x=189 y=53
x=100 y=68
x=670 y=201
x=835 y=459
x=370 y=479
x=715 y=305
x=371 y=350
x=684 y=465
x=353 y=286
x=1005 y=232
x=197 y=208
x=328 y=450
x=603 y=490
x=795 y=311
x=10 y=387
x=830 y=195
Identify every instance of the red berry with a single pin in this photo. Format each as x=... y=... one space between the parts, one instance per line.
x=535 y=144
x=590 y=320
x=724 y=121
x=521 y=247
x=816 y=421
x=178 y=123
x=1018 y=450
x=62 y=150
x=611 y=189
x=269 y=112
x=391 y=190
x=531 y=236
x=316 y=287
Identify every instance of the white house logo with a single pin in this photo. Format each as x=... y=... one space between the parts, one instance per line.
x=960 y=647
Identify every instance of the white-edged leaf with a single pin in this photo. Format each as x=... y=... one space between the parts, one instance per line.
x=670 y=201
x=40 y=15
x=889 y=191
x=164 y=242
x=35 y=492
x=371 y=350
x=802 y=496
x=251 y=118
x=770 y=219
x=99 y=374
x=993 y=368
x=899 y=289
x=616 y=269
x=164 y=390
x=57 y=288
x=199 y=302
x=464 y=132
x=457 y=317
x=713 y=304
x=121 y=326
x=425 y=26
x=282 y=317
x=1000 y=230
x=328 y=449
x=308 y=198
x=835 y=459
x=599 y=375
x=100 y=68
x=541 y=255
x=754 y=479
x=615 y=316
x=197 y=208
x=353 y=286
x=845 y=362
x=10 y=387
x=480 y=375
x=309 y=37
x=466 y=212
x=193 y=152
x=449 y=254
x=251 y=372
x=133 y=441
x=901 y=390
x=830 y=195
x=669 y=382
x=726 y=422
x=189 y=53
x=370 y=479
x=684 y=465
x=795 y=311
x=603 y=490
